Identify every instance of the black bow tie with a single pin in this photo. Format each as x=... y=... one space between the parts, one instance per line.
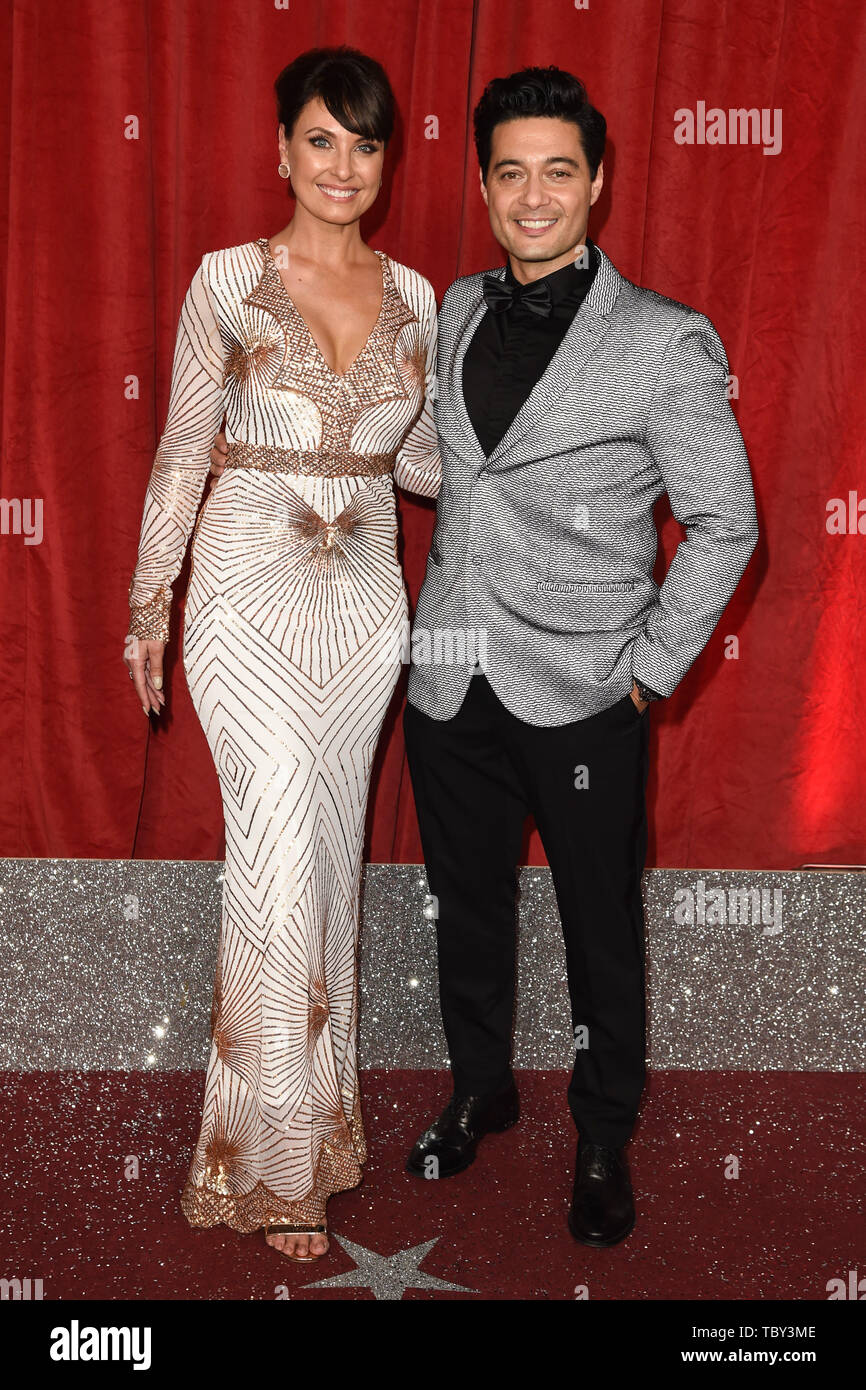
x=500 y=295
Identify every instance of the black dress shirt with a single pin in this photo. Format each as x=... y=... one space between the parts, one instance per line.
x=511 y=349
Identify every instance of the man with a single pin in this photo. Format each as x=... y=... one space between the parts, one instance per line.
x=569 y=399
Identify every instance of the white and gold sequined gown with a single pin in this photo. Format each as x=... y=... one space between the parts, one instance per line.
x=295 y=627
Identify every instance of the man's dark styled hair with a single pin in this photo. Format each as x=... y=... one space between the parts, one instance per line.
x=353 y=87
x=538 y=92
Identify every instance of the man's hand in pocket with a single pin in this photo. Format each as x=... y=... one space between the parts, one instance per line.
x=638 y=703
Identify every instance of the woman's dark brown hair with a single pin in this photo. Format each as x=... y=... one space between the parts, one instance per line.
x=353 y=87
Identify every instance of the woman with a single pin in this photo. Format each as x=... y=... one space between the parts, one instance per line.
x=322 y=353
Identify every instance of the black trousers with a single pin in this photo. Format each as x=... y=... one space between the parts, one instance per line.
x=475 y=778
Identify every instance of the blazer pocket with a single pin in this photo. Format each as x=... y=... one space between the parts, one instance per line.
x=586 y=586
x=587 y=605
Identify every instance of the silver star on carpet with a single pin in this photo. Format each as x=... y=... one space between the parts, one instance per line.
x=389 y=1276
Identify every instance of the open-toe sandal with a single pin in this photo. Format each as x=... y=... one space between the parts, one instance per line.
x=271 y=1229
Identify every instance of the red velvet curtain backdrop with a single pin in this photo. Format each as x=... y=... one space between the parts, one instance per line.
x=141 y=135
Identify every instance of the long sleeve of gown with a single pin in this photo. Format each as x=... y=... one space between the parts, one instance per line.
x=182 y=461
x=418 y=467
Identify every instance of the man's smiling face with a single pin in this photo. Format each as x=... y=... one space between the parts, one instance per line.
x=539 y=191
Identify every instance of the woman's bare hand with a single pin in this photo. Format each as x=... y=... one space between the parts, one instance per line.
x=219 y=454
x=144 y=657
x=144 y=660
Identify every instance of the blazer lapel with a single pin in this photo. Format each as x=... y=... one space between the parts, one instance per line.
x=473 y=306
x=583 y=335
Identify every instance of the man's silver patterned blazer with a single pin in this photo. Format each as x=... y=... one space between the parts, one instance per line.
x=541 y=561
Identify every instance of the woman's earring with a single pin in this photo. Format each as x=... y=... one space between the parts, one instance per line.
x=283 y=171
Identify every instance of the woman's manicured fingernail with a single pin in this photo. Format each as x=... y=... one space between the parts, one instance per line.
x=157 y=680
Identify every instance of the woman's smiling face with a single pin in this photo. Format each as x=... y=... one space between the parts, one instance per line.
x=335 y=173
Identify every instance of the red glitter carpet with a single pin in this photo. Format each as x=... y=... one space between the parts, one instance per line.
x=93 y=1164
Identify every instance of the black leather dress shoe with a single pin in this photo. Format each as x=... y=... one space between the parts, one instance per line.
x=453 y=1139
x=602 y=1209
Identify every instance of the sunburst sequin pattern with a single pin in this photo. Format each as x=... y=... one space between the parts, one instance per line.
x=291 y=649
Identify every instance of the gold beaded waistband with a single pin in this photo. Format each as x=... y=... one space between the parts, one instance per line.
x=330 y=463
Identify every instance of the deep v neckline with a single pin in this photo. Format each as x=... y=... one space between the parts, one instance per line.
x=266 y=246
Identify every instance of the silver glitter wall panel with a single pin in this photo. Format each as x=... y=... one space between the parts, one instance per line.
x=109 y=964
